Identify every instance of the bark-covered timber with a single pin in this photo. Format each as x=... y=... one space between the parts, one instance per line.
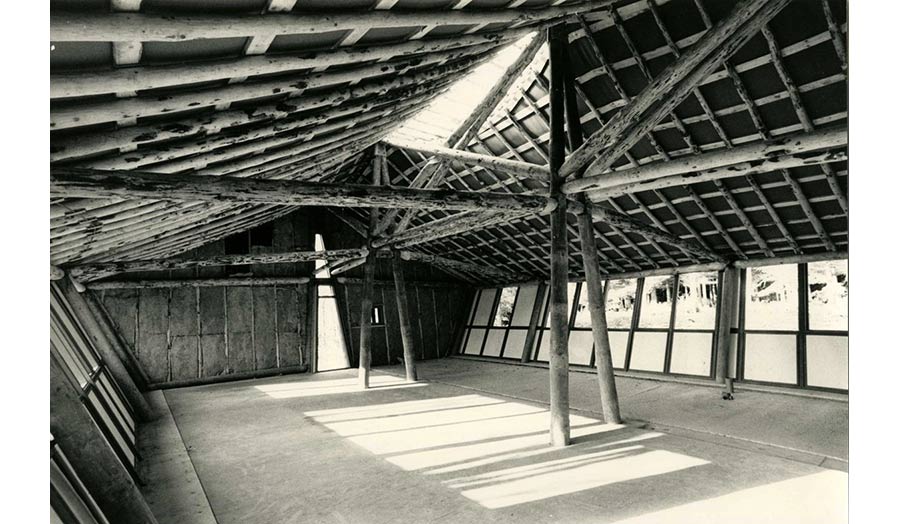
x=127 y=139
x=559 y=257
x=792 y=259
x=146 y=27
x=406 y=333
x=75 y=182
x=513 y=167
x=449 y=226
x=197 y=282
x=142 y=78
x=56 y=273
x=671 y=86
x=728 y=306
x=609 y=397
x=139 y=107
x=490 y=273
x=775 y=163
x=94 y=271
x=368 y=288
x=631 y=225
x=740 y=159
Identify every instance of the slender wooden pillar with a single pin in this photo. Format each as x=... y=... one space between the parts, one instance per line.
x=409 y=353
x=559 y=257
x=110 y=356
x=609 y=397
x=113 y=488
x=728 y=294
x=368 y=291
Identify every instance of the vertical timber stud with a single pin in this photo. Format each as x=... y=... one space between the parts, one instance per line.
x=365 y=317
x=559 y=258
x=609 y=397
x=409 y=351
x=728 y=310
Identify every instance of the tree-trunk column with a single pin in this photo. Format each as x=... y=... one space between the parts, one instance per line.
x=727 y=311
x=368 y=291
x=409 y=353
x=559 y=270
x=609 y=398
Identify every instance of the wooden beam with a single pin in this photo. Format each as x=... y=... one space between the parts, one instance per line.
x=409 y=350
x=197 y=282
x=100 y=111
x=629 y=224
x=448 y=226
x=513 y=167
x=94 y=271
x=486 y=272
x=740 y=160
x=89 y=183
x=145 y=27
x=89 y=83
x=559 y=244
x=609 y=397
x=728 y=309
x=792 y=259
x=56 y=273
x=670 y=88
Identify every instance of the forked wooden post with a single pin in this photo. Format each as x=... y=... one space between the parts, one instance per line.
x=609 y=398
x=727 y=312
x=409 y=350
x=365 y=316
x=559 y=258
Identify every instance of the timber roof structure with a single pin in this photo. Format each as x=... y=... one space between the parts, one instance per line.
x=714 y=130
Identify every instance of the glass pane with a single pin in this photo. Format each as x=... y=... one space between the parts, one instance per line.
x=473 y=344
x=691 y=353
x=524 y=306
x=829 y=288
x=772 y=298
x=697 y=301
x=515 y=342
x=771 y=358
x=581 y=345
x=827 y=363
x=618 y=345
x=648 y=352
x=656 y=306
x=543 y=350
x=494 y=343
x=485 y=303
x=620 y=302
x=505 y=307
x=582 y=313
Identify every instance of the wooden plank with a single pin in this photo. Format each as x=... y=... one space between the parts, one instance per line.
x=152 y=334
x=264 y=340
x=239 y=304
x=184 y=332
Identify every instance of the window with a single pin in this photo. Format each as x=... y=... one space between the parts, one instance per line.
x=829 y=290
x=620 y=295
x=772 y=298
x=656 y=304
x=503 y=315
x=696 y=301
x=377 y=315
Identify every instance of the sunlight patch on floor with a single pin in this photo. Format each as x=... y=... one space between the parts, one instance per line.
x=503 y=445
x=820 y=498
x=315 y=388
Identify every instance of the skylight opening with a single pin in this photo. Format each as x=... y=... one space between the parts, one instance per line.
x=447 y=112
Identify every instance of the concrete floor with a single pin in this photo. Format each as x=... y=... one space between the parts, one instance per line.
x=469 y=445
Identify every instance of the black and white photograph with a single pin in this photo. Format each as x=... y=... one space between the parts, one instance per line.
x=452 y=262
